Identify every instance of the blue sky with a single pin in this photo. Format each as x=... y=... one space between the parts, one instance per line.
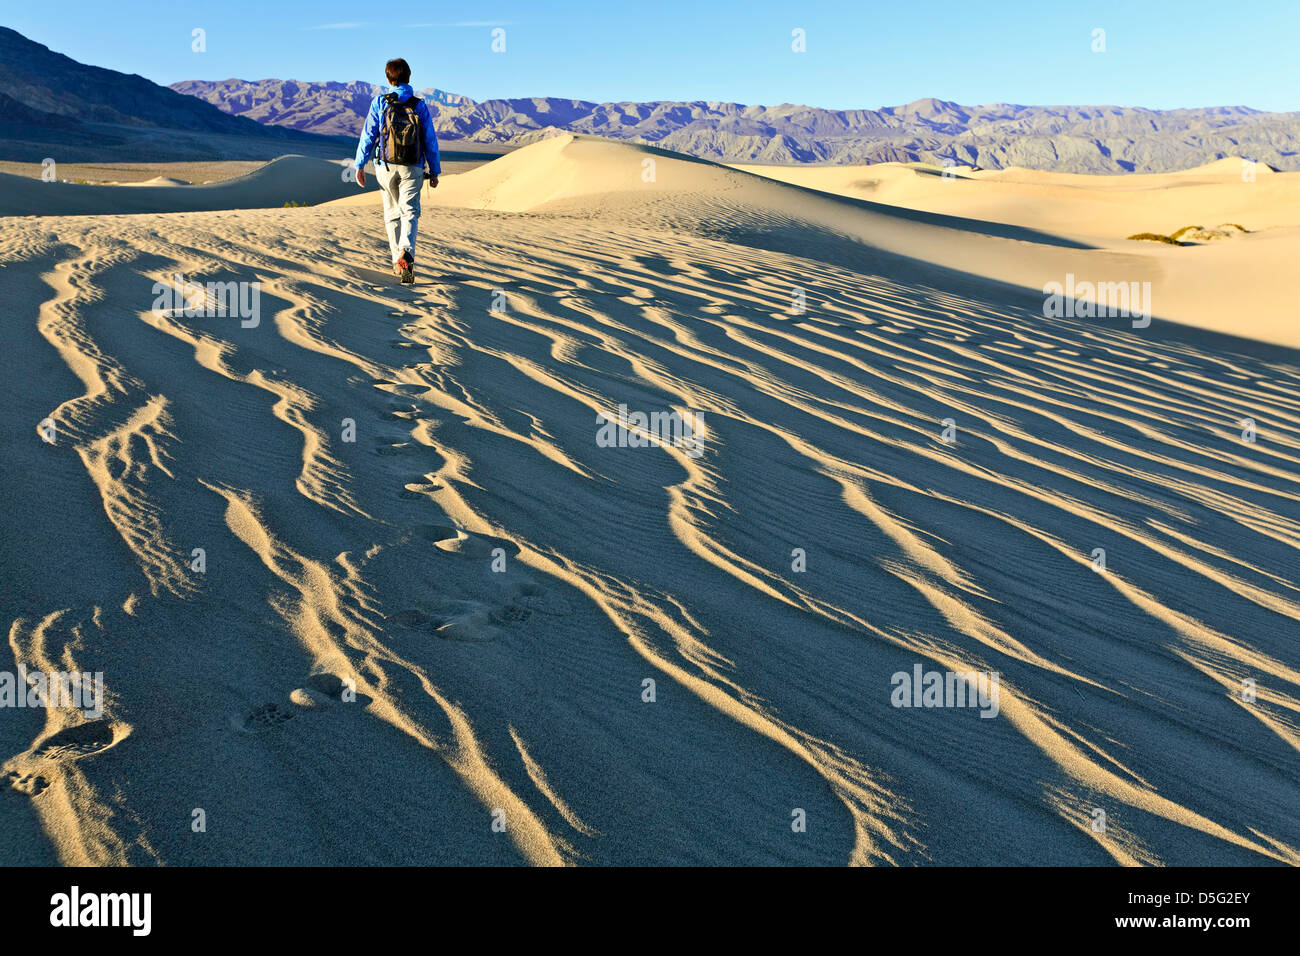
x=860 y=53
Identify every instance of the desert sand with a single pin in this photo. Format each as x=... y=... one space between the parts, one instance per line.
x=122 y=174
x=289 y=179
x=1237 y=286
x=1102 y=207
x=498 y=588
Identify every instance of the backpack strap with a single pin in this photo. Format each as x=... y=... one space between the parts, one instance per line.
x=389 y=99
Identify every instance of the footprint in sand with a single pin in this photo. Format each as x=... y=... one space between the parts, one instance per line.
x=410 y=618
x=454 y=621
x=83 y=740
x=323 y=689
x=531 y=595
x=510 y=614
x=474 y=626
x=400 y=388
x=474 y=621
x=457 y=541
x=31 y=785
x=389 y=445
x=308 y=698
x=265 y=717
x=468 y=621
x=420 y=487
x=319 y=692
x=401 y=412
x=436 y=533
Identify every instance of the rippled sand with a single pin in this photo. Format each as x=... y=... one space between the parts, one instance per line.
x=449 y=622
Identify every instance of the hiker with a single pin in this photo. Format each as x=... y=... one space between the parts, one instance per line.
x=399 y=135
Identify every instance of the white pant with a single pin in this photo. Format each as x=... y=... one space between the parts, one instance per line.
x=400 y=187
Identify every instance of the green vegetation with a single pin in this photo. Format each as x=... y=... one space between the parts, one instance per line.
x=293 y=205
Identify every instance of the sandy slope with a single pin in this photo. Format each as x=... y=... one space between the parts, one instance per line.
x=1103 y=207
x=1240 y=286
x=297 y=179
x=522 y=689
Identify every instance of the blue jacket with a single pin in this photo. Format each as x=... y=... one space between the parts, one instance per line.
x=374 y=125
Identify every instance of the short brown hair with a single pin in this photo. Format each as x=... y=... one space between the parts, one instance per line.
x=397 y=71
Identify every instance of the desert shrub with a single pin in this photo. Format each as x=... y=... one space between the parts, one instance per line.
x=1156 y=237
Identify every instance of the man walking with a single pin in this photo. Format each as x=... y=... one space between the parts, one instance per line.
x=399 y=135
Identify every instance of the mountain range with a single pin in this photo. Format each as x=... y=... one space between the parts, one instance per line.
x=51 y=105
x=1079 y=139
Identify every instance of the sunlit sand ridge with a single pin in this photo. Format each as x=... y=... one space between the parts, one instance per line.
x=432 y=643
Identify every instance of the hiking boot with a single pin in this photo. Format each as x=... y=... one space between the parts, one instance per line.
x=405 y=268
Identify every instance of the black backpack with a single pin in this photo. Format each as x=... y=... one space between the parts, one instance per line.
x=402 y=140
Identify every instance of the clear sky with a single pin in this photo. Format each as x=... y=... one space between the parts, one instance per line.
x=860 y=53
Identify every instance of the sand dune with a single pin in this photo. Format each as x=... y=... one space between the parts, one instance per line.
x=1237 y=287
x=1107 y=208
x=450 y=621
x=1010 y=232
x=297 y=179
x=159 y=181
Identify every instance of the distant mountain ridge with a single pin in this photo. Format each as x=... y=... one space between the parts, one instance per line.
x=1081 y=139
x=51 y=105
